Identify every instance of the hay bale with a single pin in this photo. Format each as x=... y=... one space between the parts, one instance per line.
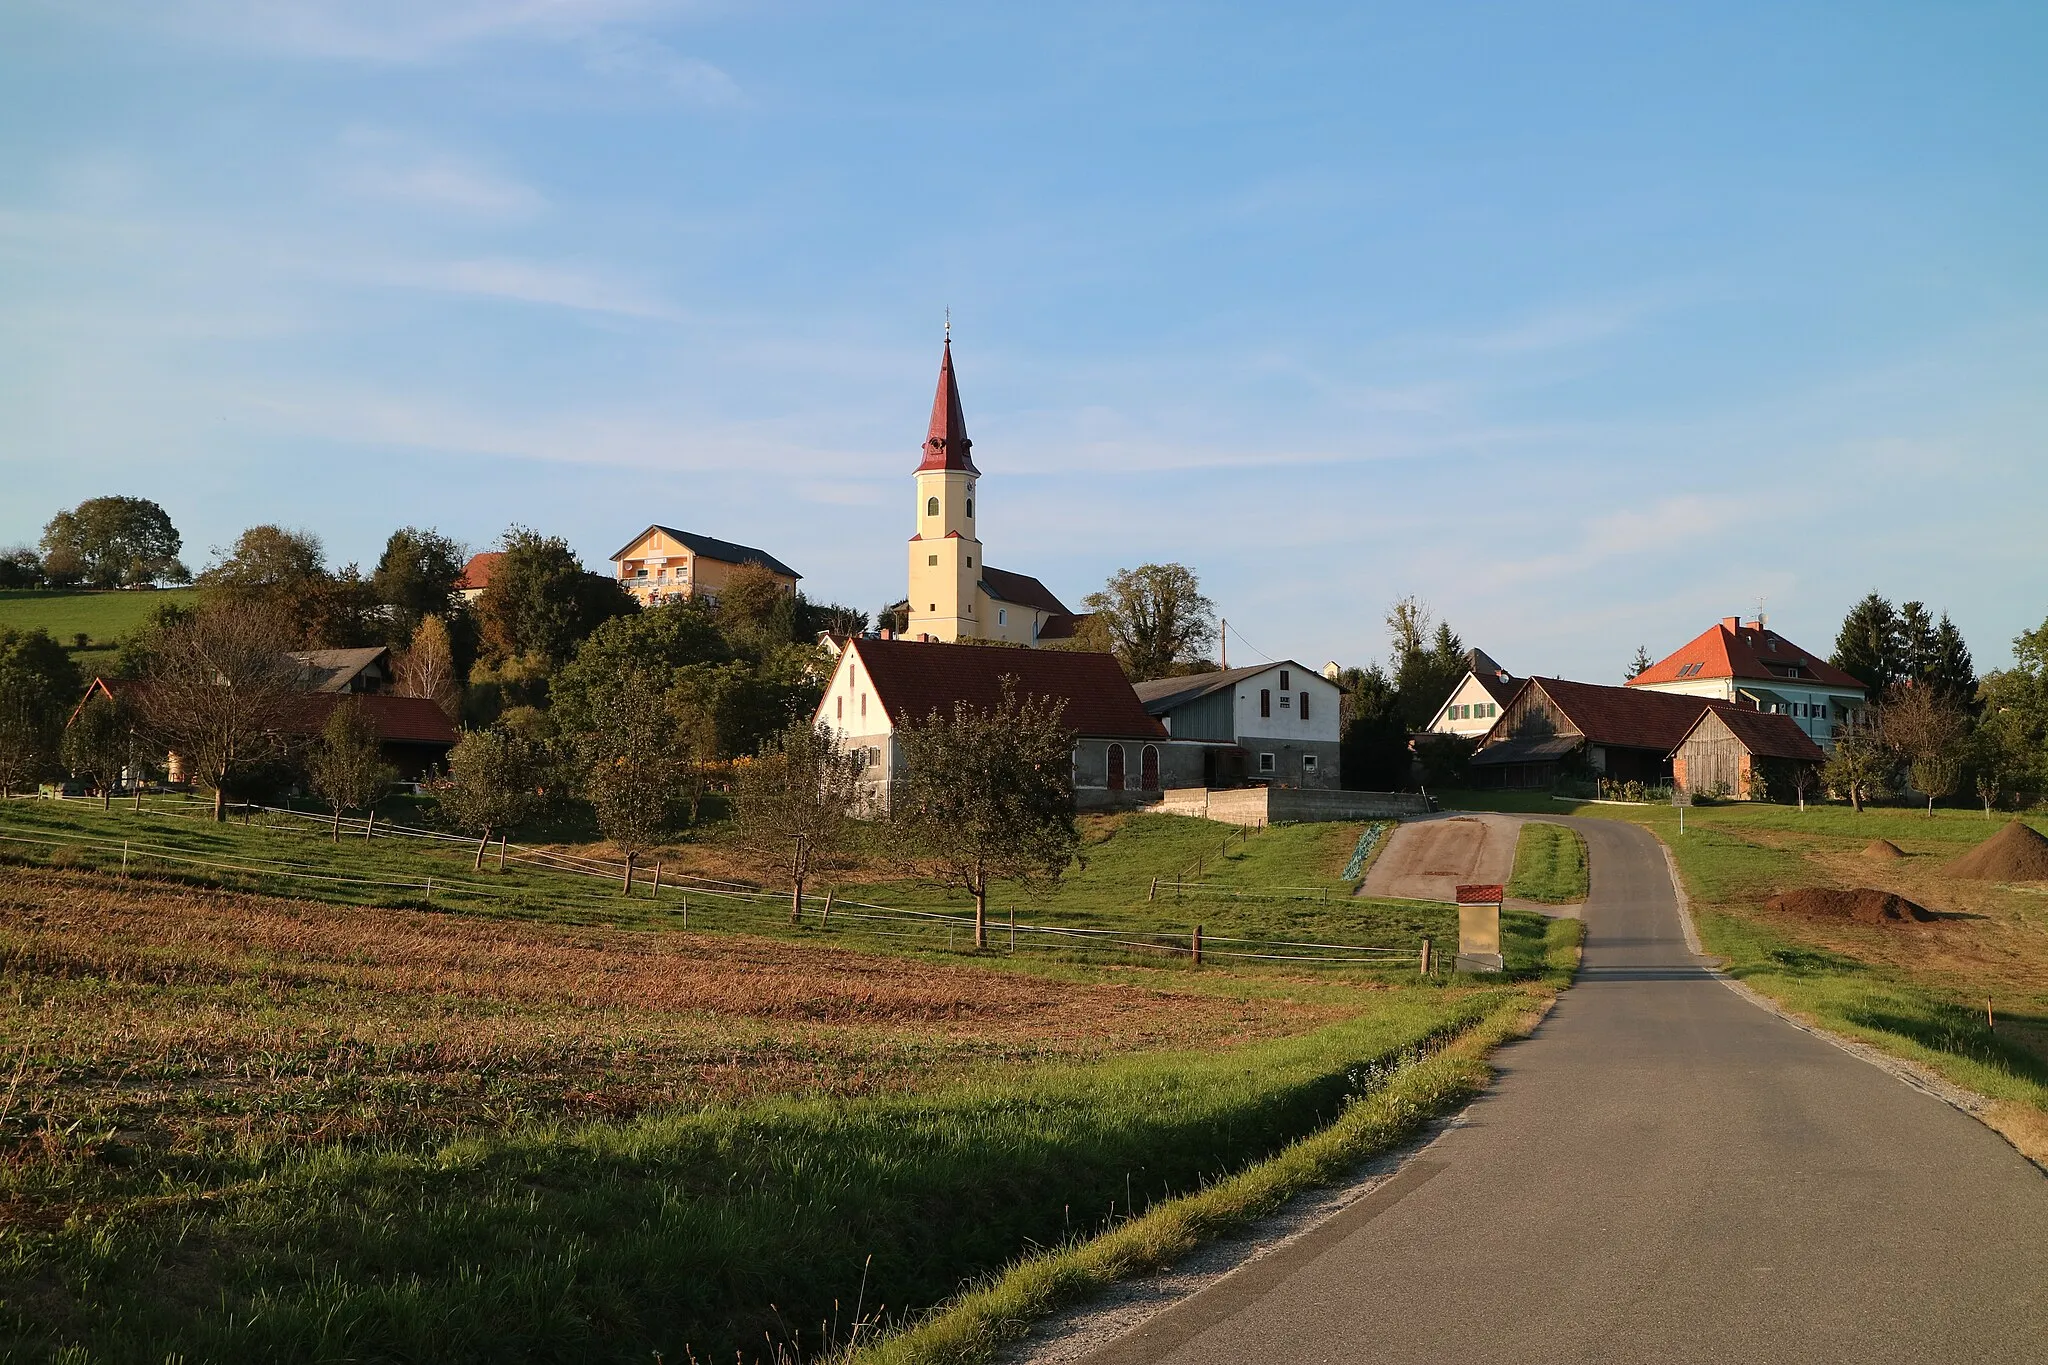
x=2014 y=854
x=1883 y=849
x=1864 y=905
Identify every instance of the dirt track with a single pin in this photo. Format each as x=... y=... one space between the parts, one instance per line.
x=1427 y=860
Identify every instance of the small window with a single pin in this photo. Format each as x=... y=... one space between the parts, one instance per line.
x=1286 y=702
x=1265 y=701
x=863 y=706
x=1002 y=617
x=1265 y=763
x=1308 y=763
x=970 y=561
x=1284 y=684
x=935 y=607
x=841 y=714
x=1304 y=706
x=970 y=507
x=1492 y=709
x=931 y=507
x=931 y=561
x=639 y=573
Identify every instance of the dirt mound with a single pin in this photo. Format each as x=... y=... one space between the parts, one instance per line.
x=2014 y=854
x=1864 y=905
x=1883 y=848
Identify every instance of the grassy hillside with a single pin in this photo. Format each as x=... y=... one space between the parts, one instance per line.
x=104 y=617
x=253 y=1127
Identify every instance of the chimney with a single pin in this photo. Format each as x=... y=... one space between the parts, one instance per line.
x=1731 y=623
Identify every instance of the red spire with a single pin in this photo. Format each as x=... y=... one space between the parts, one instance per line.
x=946 y=445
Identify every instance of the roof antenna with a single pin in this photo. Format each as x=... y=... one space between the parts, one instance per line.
x=1760 y=617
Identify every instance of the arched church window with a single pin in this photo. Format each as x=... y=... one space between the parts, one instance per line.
x=1148 y=769
x=1116 y=767
x=970 y=507
x=931 y=507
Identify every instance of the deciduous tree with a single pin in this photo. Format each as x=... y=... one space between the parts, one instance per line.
x=988 y=794
x=1928 y=731
x=222 y=691
x=38 y=686
x=99 y=743
x=541 y=602
x=1863 y=766
x=1157 y=619
x=791 y=801
x=491 y=785
x=346 y=766
x=639 y=770
x=415 y=577
x=113 y=542
x=426 y=667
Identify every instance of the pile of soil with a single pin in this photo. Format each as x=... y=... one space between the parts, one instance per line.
x=1883 y=848
x=2014 y=854
x=1864 y=905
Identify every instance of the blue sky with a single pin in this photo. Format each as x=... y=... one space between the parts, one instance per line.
x=1587 y=323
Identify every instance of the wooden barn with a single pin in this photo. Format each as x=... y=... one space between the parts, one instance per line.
x=1555 y=726
x=1743 y=754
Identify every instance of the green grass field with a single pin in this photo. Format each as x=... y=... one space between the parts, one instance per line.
x=530 y=1118
x=1919 y=992
x=1550 y=865
x=105 y=618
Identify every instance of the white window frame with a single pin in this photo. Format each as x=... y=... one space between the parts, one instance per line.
x=1268 y=763
x=1308 y=763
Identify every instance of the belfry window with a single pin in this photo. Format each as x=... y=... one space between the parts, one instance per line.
x=970 y=507
x=931 y=507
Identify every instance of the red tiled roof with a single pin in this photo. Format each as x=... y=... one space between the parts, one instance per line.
x=1766 y=735
x=397 y=720
x=914 y=678
x=945 y=442
x=477 y=573
x=1625 y=719
x=1731 y=649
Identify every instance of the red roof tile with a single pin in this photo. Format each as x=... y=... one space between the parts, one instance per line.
x=1022 y=589
x=914 y=679
x=1625 y=719
x=477 y=573
x=397 y=720
x=1765 y=735
x=1733 y=650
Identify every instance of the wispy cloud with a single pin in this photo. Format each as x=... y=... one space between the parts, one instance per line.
x=637 y=56
x=539 y=282
x=1562 y=328
x=386 y=166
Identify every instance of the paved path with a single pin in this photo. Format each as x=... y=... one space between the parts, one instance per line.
x=1664 y=1173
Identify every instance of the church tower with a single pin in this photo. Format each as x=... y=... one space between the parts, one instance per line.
x=945 y=553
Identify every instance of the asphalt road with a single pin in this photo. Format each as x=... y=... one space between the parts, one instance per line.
x=1665 y=1172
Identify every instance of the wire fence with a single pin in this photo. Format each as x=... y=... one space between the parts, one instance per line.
x=717 y=903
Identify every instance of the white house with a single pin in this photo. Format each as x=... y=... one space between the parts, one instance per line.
x=1751 y=666
x=1276 y=723
x=1122 y=756
x=1478 y=699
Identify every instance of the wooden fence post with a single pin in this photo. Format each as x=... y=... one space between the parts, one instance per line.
x=1424 y=970
x=1153 y=894
x=1198 y=945
x=629 y=875
x=501 y=853
x=825 y=920
x=657 y=881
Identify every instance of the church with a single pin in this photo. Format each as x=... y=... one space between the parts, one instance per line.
x=955 y=595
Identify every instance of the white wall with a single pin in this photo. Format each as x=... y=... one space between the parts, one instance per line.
x=1485 y=711
x=1286 y=723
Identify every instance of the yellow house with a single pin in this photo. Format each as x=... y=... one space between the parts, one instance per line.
x=662 y=564
x=954 y=594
